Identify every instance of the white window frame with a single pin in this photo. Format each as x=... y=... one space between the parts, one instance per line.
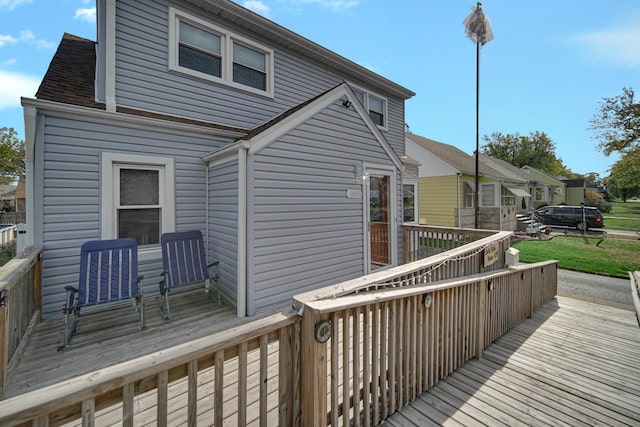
x=385 y=104
x=495 y=194
x=228 y=38
x=413 y=183
x=110 y=189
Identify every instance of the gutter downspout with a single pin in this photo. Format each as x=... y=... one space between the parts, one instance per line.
x=458 y=175
x=30 y=119
x=110 y=56
x=242 y=233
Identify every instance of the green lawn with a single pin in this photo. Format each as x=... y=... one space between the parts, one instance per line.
x=608 y=257
x=623 y=216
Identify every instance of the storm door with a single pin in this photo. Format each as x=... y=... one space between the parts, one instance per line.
x=380 y=220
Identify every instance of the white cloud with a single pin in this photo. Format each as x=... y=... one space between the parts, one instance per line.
x=12 y=4
x=257 y=6
x=6 y=39
x=618 y=45
x=10 y=61
x=86 y=14
x=28 y=37
x=13 y=86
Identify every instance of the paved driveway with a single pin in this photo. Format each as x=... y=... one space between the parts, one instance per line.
x=591 y=287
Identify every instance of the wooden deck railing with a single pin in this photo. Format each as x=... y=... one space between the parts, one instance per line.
x=221 y=373
x=394 y=334
x=8 y=235
x=390 y=345
x=421 y=241
x=19 y=306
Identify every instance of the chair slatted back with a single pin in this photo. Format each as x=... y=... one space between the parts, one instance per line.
x=108 y=271
x=183 y=258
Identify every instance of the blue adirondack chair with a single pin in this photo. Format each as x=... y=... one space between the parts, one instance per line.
x=108 y=274
x=185 y=267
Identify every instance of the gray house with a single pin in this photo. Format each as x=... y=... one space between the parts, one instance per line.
x=200 y=114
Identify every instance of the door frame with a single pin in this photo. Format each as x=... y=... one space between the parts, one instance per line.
x=390 y=171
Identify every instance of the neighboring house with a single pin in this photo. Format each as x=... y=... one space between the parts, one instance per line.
x=545 y=189
x=7 y=198
x=446 y=182
x=196 y=114
x=520 y=186
x=576 y=191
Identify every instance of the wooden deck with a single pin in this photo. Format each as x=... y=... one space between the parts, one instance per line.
x=112 y=337
x=573 y=363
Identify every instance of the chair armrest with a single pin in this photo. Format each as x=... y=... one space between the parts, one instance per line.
x=71 y=298
x=213 y=263
x=216 y=274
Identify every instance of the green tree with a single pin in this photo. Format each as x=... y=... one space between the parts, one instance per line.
x=617 y=124
x=11 y=156
x=536 y=150
x=624 y=180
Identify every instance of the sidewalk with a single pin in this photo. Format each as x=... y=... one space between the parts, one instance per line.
x=610 y=291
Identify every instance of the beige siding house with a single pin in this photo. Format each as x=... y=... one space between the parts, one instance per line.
x=545 y=189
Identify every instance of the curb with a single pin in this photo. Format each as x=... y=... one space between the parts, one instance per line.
x=635 y=292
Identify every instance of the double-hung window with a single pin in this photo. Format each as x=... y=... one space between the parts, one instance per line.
x=137 y=198
x=375 y=105
x=204 y=50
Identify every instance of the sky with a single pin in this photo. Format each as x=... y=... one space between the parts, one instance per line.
x=549 y=67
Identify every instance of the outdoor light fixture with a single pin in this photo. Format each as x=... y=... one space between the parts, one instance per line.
x=362 y=176
x=322 y=331
x=427 y=300
x=346 y=103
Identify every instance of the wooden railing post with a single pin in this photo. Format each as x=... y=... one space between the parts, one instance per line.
x=313 y=376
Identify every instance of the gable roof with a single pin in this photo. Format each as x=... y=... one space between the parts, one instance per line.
x=550 y=178
x=505 y=168
x=269 y=132
x=455 y=157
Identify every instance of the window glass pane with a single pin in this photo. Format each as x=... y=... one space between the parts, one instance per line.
x=360 y=96
x=199 y=61
x=408 y=196
x=249 y=57
x=139 y=187
x=377 y=118
x=376 y=104
x=249 y=77
x=488 y=195
x=200 y=39
x=141 y=224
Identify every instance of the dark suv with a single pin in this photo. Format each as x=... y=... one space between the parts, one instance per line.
x=570 y=216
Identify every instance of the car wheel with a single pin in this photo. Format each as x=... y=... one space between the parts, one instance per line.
x=581 y=226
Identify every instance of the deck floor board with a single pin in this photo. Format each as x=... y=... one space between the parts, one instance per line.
x=573 y=363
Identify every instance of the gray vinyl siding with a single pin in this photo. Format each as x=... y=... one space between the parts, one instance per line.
x=143 y=80
x=223 y=226
x=306 y=232
x=72 y=189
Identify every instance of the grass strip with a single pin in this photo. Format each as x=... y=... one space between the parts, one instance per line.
x=607 y=257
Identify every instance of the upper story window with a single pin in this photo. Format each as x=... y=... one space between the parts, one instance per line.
x=201 y=49
x=375 y=105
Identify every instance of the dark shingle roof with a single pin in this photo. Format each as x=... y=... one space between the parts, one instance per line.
x=71 y=74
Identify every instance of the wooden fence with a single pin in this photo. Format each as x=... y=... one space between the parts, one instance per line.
x=420 y=241
x=391 y=335
x=19 y=306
